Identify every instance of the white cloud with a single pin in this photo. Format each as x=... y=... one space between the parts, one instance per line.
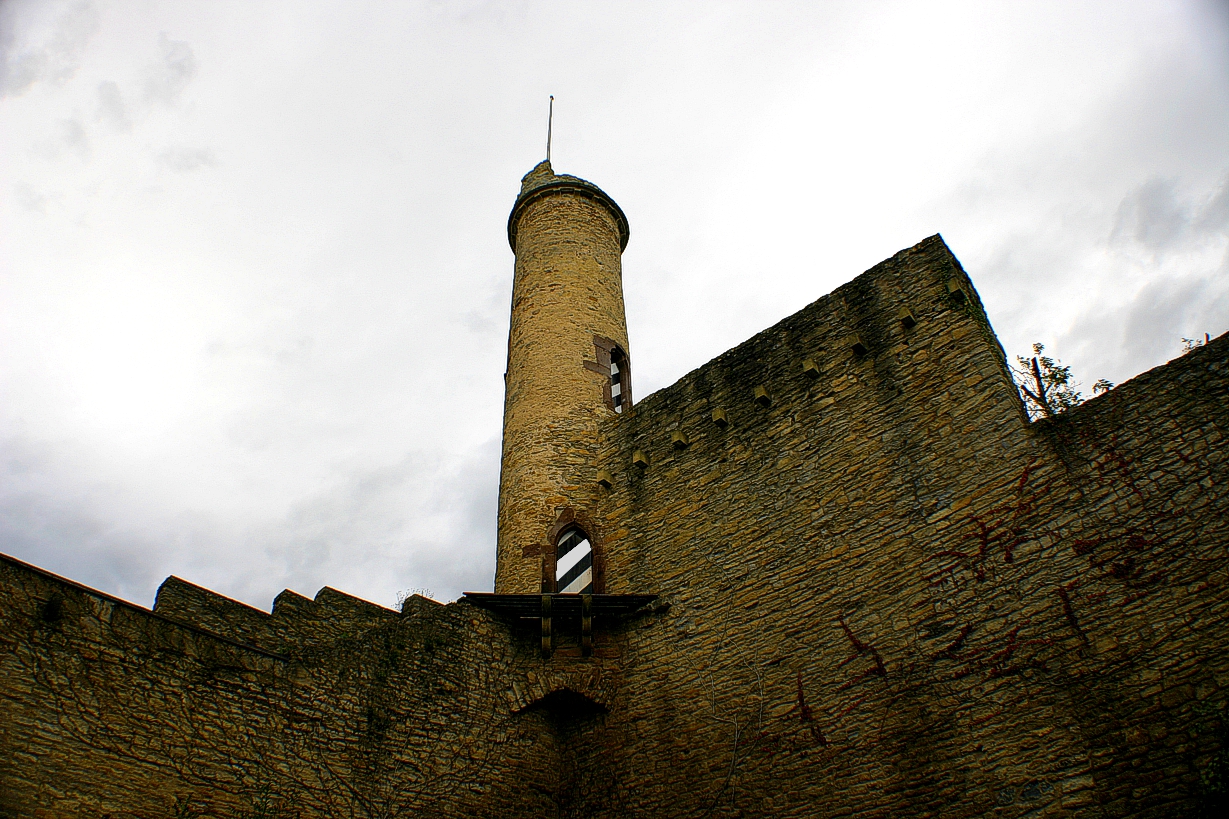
x=43 y=41
x=1151 y=216
x=187 y=159
x=166 y=79
x=111 y=108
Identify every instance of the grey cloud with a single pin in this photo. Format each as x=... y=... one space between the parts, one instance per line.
x=467 y=561
x=186 y=159
x=111 y=108
x=1214 y=217
x=1168 y=311
x=479 y=322
x=373 y=519
x=19 y=73
x=29 y=198
x=364 y=536
x=1151 y=215
x=73 y=134
x=1156 y=216
x=48 y=523
x=357 y=515
x=1121 y=343
x=1184 y=235
x=70 y=137
x=54 y=57
x=167 y=79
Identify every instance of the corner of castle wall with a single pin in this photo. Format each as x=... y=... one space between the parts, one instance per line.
x=186 y=602
x=418 y=606
x=331 y=616
x=288 y=601
x=1182 y=405
x=903 y=349
x=340 y=602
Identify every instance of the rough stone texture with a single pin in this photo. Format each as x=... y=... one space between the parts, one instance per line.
x=891 y=595
x=885 y=593
x=110 y=709
x=567 y=296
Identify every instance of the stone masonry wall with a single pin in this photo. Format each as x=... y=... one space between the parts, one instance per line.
x=889 y=595
x=110 y=710
x=883 y=593
x=567 y=297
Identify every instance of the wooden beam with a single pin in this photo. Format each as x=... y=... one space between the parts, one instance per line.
x=586 y=625
x=546 y=626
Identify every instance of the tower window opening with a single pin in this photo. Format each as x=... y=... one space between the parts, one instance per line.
x=574 y=563
x=620 y=382
x=612 y=362
x=616 y=388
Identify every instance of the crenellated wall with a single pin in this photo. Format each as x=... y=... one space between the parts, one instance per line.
x=297 y=622
x=109 y=709
x=882 y=593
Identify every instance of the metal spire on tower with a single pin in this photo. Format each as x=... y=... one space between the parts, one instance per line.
x=550 y=119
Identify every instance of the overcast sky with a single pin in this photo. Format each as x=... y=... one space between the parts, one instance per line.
x=254 y=276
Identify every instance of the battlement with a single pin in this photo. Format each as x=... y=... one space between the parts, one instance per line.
x=886 y=381
x=110 y=708
x=296 y=621
x=188 y=603
x=908 y=331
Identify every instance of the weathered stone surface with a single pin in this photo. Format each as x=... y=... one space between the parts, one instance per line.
x=883 y=592
x=567 y=312
x=892 y=595
x=112 y=710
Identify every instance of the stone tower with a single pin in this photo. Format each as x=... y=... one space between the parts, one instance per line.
x=567 y=371
x=847 y=576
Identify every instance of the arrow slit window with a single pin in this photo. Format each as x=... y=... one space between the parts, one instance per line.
x=620 y=394
x=612 y=363
x=574 y=562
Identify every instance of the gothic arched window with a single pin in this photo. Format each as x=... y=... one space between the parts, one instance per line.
x=573 y=562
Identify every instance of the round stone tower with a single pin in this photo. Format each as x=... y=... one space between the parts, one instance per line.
x=567 y=372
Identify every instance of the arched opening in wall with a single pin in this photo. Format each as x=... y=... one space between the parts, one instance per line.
x=620 y=380
x=573 y=562
x=566 y=708
x=612 y=362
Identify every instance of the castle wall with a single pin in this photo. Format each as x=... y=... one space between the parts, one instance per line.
x=108 y=709
x=882 y=593
x=890 y=595
x=296 y=622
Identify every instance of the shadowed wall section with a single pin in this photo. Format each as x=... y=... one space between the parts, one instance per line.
x=890 y=595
